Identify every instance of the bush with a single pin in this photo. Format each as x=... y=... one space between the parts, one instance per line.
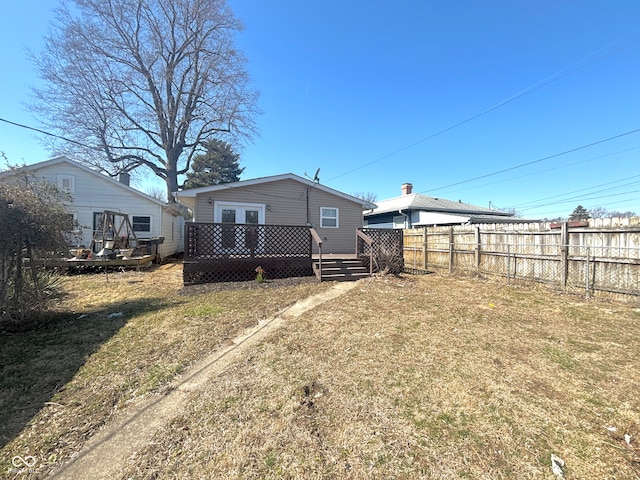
x=34 y=221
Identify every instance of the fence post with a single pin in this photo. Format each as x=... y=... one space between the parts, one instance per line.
x=564 y=255
x=425 y=249
x=586 y=276
x=478 y=248
x=508 y=262
x=450 y=249
x=415 y=254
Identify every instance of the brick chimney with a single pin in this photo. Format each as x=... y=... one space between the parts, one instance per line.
x=406 y=188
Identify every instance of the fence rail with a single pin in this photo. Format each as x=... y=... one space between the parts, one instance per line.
x=588 y=260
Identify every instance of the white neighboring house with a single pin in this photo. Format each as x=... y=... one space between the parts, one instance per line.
x=94 y=193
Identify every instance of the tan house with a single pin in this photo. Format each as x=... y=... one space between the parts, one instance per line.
x=283 y=224
x=285 y=199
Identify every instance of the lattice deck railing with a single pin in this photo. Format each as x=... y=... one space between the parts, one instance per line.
x=219 y=252
x=387 y=250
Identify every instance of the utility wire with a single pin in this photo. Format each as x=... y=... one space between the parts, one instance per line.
x=529 y=204
x=536 y=161
x=626 y=202
x=588 y=60
x=566 y=165
x=48 y=133
x=582 y=199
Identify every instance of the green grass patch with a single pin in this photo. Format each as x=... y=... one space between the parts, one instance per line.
x=560 y=357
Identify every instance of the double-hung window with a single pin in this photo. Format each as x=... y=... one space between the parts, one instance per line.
x=329 y=217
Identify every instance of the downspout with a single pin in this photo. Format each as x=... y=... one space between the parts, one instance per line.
x=407 y=222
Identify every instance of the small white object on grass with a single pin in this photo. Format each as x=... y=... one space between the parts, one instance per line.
x=557 y=464
x=115 y=315
x=627 y=438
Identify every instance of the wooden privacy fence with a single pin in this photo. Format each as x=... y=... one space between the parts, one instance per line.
x=585 y=259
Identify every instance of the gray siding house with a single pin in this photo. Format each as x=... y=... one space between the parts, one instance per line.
x=285 y=199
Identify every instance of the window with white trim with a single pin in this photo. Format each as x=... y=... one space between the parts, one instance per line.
x=67 y=183
x=329 y=217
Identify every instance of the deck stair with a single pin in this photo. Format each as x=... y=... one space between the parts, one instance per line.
x=340 y=269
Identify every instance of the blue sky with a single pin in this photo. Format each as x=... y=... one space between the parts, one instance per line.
x=513 y=104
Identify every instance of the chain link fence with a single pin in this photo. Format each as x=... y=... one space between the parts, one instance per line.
x=527 y=257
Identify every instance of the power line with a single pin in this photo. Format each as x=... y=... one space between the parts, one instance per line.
x=528 y=204
x=588 y=60
x=48 y=133
x=536 y=161
x=510 y=179
x=582 y=199
x=551 y=213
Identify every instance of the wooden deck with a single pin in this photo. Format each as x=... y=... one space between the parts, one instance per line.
x=221 y=252
x=86 y=263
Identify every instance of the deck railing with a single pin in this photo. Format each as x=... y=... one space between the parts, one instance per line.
x=368 y=241
x=383 y=250
x=316 y=238
x=220 y=252
x=226 y=240
x=223 y=252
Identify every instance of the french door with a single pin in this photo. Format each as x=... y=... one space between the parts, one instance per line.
x=239 y=240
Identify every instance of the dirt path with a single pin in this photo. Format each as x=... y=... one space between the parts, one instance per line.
x=108 y=450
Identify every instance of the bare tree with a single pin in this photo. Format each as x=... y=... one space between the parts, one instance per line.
x=367 y=197
x=598 y=212
x=626 y=214
x=157 y=193
x=143 y=83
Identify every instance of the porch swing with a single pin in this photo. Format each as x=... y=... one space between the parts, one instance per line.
x=114 y=235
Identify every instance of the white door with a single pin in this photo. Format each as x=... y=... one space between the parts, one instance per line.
x=239 y=240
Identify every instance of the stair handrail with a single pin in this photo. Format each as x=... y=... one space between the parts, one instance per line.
x=369 y=241
x=316 y=238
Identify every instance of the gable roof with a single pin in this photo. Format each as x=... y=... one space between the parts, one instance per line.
x=418 y=201
x=64 y=159
x=194 y=192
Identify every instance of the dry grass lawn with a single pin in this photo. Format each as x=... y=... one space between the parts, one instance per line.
x=412 y=377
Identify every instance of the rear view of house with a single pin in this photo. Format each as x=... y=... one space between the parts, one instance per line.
x=242 y=225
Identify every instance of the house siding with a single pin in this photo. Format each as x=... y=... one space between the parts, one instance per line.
x=173 y=233
x=292 y=203
x=94 y=194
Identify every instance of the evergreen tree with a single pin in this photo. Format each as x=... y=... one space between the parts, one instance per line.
x=580 y=213
x=219 y=164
